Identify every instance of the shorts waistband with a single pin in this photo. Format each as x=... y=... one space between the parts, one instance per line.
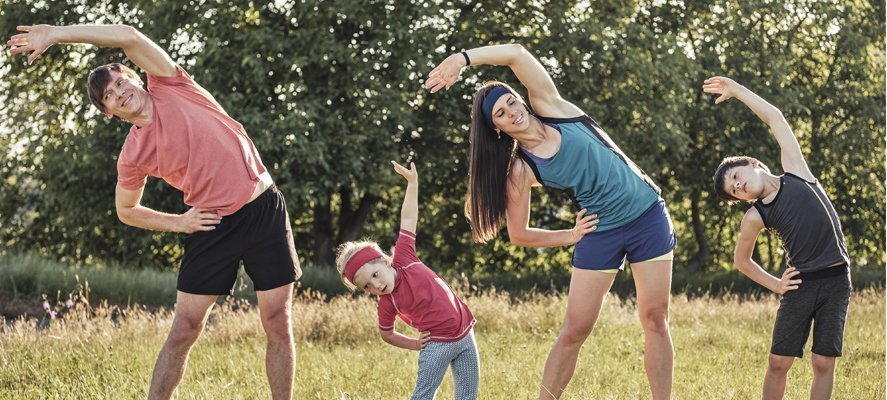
x=270 y=191
x=825 y=273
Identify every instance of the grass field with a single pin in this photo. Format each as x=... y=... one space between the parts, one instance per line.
x=721 y=349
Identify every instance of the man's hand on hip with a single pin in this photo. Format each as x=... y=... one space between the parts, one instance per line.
x=198 y=219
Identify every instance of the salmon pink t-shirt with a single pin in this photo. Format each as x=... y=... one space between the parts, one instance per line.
x=192 y=144
x=421 y=299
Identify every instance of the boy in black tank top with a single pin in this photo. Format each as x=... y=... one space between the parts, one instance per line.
x=815 y=287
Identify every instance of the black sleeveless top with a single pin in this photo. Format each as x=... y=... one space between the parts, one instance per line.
x=806 y=222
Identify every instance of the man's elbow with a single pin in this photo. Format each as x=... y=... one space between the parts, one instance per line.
x=129 y=35
x=123 y=214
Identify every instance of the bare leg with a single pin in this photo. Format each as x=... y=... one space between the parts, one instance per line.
x=191 y=313
x=275 y=308
x=653 y=282
x=774 y=381
x=823 y=377
x=587 y=291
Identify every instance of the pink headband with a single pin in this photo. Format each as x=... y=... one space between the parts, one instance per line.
x=358 y=260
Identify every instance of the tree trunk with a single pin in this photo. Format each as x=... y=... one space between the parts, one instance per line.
x=351 y=223
x=324 y=253
x=702 y=257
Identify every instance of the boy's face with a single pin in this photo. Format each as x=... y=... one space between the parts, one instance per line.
x=375 y=277
x=744 y=182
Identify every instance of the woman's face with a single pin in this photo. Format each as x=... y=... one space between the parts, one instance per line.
x=510 y=115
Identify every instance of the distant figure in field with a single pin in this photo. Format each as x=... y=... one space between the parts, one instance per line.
x=815 y=287
x=413 y=292
x=182 y=135
x=514 y=149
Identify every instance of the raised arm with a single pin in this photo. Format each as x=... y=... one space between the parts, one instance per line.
x=751 y=227
x=131 y=212
x=791 y=156
x=35 y=39
x=409 y=212
x=517 y=216
x=544 y=96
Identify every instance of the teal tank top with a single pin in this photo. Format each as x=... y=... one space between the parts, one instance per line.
x=600 y=177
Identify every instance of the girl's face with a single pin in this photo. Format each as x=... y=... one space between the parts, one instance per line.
x=744 y=182
x=510 y=115
x=375 y=277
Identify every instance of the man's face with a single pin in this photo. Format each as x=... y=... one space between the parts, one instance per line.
x=124 y=96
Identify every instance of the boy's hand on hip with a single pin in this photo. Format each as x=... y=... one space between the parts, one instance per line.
x=787 y=283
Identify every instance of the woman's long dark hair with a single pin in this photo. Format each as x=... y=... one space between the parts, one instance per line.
x=489 y=164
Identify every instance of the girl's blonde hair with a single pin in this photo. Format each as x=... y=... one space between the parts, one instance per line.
x=349 y=249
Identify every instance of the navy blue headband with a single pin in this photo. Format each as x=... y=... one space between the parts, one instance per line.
x=490 y=101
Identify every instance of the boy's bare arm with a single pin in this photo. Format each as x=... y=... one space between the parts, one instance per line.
x=750 y=228
x=791 y=156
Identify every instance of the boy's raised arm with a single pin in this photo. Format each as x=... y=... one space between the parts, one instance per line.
x=791 y=156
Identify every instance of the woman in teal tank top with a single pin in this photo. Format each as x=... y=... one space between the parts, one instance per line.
x=514 y=150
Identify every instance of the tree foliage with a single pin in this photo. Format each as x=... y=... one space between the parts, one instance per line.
x=330 y=92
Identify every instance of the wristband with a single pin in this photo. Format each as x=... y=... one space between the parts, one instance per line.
x=467 y=60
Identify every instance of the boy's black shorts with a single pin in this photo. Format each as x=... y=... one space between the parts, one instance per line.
x=822 y=298
x=259 y=234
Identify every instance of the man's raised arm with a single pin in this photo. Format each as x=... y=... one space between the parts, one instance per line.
x=35 y=39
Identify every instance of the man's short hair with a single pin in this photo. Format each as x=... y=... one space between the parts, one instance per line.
x=99 y=79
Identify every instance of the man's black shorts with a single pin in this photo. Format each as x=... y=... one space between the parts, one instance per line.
x=259 y=234
x=822 y=298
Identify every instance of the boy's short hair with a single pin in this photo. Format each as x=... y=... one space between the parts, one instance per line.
x=347 y=250
x=99 y=79
x=726 y=165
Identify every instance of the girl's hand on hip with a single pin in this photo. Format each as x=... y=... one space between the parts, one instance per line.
x=422 y=340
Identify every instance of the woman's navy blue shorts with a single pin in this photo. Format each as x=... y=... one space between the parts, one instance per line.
x=647 y=237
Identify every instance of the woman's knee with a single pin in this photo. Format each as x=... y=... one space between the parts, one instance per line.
x=575 y=332
x=654 y=320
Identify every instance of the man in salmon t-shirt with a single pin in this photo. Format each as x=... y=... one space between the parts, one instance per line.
x=182 y=135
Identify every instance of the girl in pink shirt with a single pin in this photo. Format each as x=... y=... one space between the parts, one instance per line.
x=410 y=290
